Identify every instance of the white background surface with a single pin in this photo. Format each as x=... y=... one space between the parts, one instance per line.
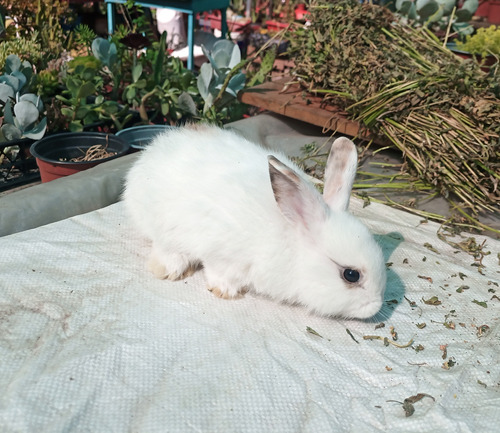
x=91 y=342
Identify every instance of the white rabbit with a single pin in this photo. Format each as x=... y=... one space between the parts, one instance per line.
x=206 y=196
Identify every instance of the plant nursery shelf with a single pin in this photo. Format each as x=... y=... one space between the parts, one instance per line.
x=291 y=101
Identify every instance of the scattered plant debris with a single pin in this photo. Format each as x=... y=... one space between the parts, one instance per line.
x=387 y=341
x=448 y=364
x=482 y=331
x=480 y=303
x=421 y=325
x=444 y=349
x=423 y=277
x=312 y=331
x=380 y=325
x=352 y=336
x=409 y=402
x=432 y=301
x=430 y=247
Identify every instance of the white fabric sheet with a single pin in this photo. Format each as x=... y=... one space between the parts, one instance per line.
x=91 y=342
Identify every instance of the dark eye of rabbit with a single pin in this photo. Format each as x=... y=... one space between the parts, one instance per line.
x=351 y=275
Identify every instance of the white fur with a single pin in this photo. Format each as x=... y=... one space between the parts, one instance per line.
x=204 y=195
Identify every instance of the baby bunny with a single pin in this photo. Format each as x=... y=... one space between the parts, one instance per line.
x=206 y=196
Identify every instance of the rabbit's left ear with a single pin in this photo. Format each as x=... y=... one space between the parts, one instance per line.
x=298 y=201
x=340 y=173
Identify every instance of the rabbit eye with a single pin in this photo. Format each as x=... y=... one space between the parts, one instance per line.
x=351 y=275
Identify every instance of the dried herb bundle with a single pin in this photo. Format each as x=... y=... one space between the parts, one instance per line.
x=442 y=112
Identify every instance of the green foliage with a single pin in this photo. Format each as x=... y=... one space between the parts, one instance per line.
x=223 y=58
x=161 y=86
x=21 y=109
x=27 y=48
x=82 y=102
x=440 y=12
x=484 y=42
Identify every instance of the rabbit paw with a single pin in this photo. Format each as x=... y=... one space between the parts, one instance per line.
x=172 y=267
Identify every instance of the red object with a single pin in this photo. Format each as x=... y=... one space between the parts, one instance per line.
x=50 y=171
x=494 y=12
x=301 y=12
x=483 y=9
x=275 y=25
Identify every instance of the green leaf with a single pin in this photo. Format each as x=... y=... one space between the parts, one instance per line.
x=67 y=112
x=426 y=8
x=34 y=99
x=75 y=126
x=136 y=72
x=165 y=108
x=85 y=90
x=10 y=132
x=11 y=81
x=38 y=131
x=26 y=113
x=186 y=104
x=6 y=92
x=204 y=78
x=12 y=64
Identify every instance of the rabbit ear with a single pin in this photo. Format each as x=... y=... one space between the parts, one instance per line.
x=339 y=174
x=298 y=201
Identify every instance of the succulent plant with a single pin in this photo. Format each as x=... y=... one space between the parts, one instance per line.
x=224 y=56
x=432 y=11
x=21 y=111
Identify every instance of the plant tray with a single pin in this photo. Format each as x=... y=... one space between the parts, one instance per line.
x=17 y=168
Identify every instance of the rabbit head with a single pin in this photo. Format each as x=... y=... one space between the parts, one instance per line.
x=341 y=270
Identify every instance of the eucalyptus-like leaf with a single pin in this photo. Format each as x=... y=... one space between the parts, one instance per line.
x=21 y=77
x=8 y=115
x=403 y=6
x=204 y=78
x=12 y=81
x=436 y=16
x=237 y=82
x=35 y=99
x=6 y=92
x=235 y=57
x=38 y=131
x=12 y=63
x=447 y=6
x=426 y=8
x=26 y=113
x=186 y=103
x=10 y=132
x=221 y=59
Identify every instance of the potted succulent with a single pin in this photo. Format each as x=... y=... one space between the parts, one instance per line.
x=440 y=14
x=63 y=154
x=483 y=46
x=21 y=120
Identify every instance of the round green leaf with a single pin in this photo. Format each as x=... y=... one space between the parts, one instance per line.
x=26 y=113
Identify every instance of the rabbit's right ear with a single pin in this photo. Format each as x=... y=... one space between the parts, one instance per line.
x=340 y=173
x=298 y=202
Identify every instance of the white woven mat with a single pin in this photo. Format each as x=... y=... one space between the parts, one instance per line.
x=91 y=342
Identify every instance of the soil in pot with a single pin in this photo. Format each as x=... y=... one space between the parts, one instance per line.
x=64 y=154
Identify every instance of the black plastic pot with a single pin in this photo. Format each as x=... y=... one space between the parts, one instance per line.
x=54 y=153
x=140 y=136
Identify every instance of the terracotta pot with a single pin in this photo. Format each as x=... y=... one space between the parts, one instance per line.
x=494 y=12
x=483 y=9
x=54 y=153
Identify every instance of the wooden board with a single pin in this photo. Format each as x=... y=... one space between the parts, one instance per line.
x=289 y=101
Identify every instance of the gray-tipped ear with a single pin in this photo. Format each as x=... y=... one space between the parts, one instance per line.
x=298 y=201
x=340 y=173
